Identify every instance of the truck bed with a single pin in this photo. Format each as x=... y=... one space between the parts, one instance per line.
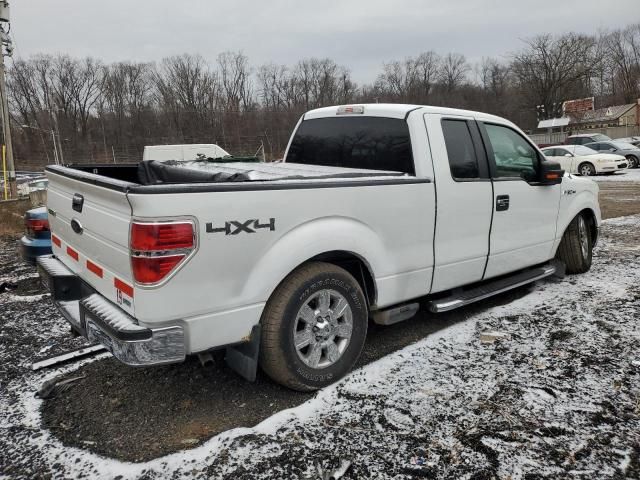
x=175 y=177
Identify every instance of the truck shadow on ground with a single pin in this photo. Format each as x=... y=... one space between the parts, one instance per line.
x=139 y=414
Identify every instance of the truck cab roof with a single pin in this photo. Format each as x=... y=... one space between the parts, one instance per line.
x=396 y=110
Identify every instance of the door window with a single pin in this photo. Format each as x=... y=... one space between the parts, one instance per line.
x=463 y=160
x=512 y=154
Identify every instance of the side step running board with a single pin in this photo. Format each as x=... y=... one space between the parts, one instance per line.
x=460 y=297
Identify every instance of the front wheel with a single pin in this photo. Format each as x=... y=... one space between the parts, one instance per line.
x=576 y=246
x=586 y=170
x=632 y=162
x=313 y=327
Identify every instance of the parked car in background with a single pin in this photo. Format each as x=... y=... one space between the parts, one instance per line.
x=584 y=160
x=584 y=138
x=183 y=152
x=635 y=141
x=37 y=237
x=630 y=152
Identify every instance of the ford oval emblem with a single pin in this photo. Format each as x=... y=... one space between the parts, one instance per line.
x=76 y=227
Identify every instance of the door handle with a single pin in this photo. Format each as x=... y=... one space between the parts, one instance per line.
x=502 y=203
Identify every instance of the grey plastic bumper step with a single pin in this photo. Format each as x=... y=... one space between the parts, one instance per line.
x=462 y=297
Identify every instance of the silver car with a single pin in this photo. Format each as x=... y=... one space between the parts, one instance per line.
x=631 y=152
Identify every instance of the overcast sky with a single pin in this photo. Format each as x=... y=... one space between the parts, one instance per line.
x=360 y=34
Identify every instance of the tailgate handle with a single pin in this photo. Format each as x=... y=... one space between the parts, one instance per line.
x=77 y=202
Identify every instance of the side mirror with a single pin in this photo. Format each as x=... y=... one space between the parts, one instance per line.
x=550 y=173
x=568 y=155
x=613 y=149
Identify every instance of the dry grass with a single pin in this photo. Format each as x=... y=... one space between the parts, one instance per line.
x=11 y=216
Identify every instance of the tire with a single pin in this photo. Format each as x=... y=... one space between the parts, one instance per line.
x=576 y=246
x=586 y=169
x=632 y=161
x=304 y=307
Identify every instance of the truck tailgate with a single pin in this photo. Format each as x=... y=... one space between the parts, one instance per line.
x=90 y=235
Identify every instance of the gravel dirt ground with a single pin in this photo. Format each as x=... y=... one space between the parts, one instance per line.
x=558 y=396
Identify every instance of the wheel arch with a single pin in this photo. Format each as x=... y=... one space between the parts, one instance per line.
x=592 y=222
x=352 y=245
x=587 y=162
x=356 y=266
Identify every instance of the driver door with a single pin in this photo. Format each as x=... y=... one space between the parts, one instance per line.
x=523 y=229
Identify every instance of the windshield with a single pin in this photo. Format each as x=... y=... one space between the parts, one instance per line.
x=598 y=137
x=624 y=146
x=582 y=150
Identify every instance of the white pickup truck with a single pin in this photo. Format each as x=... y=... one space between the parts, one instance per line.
x=283 y=265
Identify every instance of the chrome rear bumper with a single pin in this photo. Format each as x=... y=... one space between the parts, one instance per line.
x=99 y=320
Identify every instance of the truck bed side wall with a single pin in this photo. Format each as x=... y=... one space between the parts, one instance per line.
x=240 y=262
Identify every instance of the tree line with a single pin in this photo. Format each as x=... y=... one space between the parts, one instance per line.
x=99 y=112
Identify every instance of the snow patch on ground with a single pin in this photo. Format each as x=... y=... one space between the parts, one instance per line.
x=627 y=175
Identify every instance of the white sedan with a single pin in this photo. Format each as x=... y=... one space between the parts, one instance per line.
x=584 y=160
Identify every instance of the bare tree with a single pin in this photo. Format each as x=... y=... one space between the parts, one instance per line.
x=235 y=80
x=186 y=88
x=453 y=71
x=623 y=47
x=552 y=69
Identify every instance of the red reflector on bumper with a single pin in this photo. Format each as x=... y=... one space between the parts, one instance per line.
x=92 y=267
x=72 y=253
x=123 y=287
x=56 y=241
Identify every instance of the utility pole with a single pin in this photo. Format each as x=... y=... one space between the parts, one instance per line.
x=4 y=103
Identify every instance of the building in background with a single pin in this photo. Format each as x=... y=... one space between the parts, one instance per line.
x=616 y=121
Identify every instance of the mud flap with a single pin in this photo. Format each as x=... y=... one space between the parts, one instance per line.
x=561 y=269
x=243 y=358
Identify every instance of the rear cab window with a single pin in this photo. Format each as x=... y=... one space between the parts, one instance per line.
x=374 y=143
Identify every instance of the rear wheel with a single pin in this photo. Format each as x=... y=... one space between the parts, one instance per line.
x=586 y=169
x=575 y=249
x=632 y=162
x=313 y=327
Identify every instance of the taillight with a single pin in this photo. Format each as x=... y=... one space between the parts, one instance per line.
x=34 y=225
x=159 y=248
x=161 y=236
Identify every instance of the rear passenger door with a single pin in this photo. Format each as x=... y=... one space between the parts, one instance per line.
x=464 y=200
x=524 y=219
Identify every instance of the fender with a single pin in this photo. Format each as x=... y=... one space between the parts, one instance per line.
x=310 y=239
x=578 y=194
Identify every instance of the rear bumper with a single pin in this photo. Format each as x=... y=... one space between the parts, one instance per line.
x=97 y=319
x=30 y=248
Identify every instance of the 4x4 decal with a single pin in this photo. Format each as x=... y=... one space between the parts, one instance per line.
x=234 y=227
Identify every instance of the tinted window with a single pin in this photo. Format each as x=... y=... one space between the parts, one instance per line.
x=374 y=143
x=513 y=155
x=463 y=160
x=550 y=152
